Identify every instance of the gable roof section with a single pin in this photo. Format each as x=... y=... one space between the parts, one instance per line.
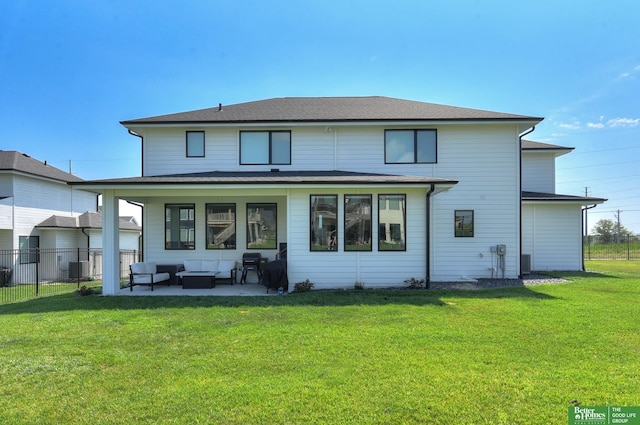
x=329 y=109
x=88 y=220
x=20 y=162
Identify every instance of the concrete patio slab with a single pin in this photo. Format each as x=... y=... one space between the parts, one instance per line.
x=221 y=290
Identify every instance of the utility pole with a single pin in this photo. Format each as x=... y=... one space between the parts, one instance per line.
x=617 y=214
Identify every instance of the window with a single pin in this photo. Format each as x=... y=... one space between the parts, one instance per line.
x=262 y=226
x=410 y=146
x=323 y=235
x=180 y=226
x=392 y=223
x=221 y=226
x=464 y=223
x=195 y=144
x=357 y=222
x=265 y=147
x=29 y=247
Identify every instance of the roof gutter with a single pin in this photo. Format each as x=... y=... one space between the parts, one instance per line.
x=584 y=222
x=133 y=133
x=529 y=131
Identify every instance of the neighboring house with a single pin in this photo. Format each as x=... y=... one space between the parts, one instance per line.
x=32 y=191
x=369 y=189
x=38 y=209
x=85 y=231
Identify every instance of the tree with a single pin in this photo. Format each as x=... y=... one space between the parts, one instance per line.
x=606 y=231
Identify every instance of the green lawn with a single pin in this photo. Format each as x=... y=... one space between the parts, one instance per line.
x=504 y=356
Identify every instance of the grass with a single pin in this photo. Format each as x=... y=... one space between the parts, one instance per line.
x=503 y=356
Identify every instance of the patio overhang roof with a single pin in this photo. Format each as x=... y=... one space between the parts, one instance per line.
x=265 y=179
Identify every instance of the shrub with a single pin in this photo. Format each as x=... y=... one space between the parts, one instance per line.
x=85 y=290
x=305 y=286
x=359 y=285
x=415 y=283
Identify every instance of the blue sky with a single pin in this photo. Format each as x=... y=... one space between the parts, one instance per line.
x=71 y=70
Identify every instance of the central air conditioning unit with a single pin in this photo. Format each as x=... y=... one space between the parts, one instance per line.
x=78 y=269
x=525 y=263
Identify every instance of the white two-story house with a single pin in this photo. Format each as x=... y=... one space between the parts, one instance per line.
x=359 y=189
x=40 y=210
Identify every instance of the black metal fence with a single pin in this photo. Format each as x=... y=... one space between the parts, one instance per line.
x=626 y=248
x=28 y=273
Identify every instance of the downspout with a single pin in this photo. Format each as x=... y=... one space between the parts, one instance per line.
x=133 y=133
x=141 y=238
x=427 y=278
x=587 y=231
x=531 y=130
x=82 y=229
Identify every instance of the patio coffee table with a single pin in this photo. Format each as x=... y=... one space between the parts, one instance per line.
x=198 y=279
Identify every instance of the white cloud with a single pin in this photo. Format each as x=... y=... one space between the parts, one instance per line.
x=623 y=122
x=570 y=126
x=625 y=75
x=595 y=125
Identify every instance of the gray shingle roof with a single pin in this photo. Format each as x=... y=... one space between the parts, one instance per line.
x=17 y=161
x=328 y=109
x=531 y=145
x=90 y=220
x=279 y=177
x=552 y=197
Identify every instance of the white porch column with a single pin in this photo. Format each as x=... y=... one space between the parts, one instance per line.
x=110 y=244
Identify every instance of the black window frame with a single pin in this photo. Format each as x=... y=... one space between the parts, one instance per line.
x=275 y=219
x=169 y=244
x=187 y=144
x=270 y=138
x=351 y=247
x=458 y=228
x=415 y=145
x=381 y=248
x=230 y=206
x=330 y=236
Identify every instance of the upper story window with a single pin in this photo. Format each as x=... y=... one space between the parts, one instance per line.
x=265 y=147
x=410 y=146
x=195 y=144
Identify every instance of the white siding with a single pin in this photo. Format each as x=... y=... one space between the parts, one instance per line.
x=538 y=172
x=333 y=269
x=485 y=161
x=154 y=228
x=552 y=235
x=6 y=205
